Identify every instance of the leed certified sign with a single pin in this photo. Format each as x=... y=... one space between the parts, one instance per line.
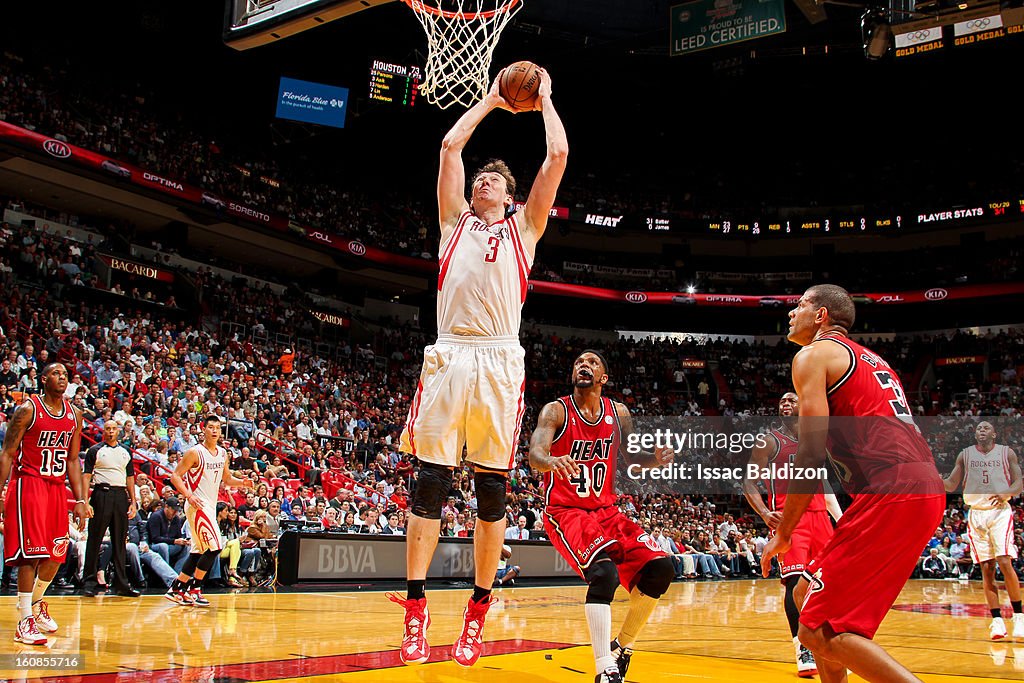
x=705 y=24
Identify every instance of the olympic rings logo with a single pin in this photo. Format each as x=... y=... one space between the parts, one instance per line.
x=978 y=24
x=920 y=36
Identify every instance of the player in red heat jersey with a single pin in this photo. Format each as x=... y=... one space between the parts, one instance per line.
x=814 y=531
x=853 y=405
x=576 y=445
x=41 y=448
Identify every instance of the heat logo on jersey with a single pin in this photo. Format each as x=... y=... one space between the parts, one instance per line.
x=54 y=439
x=60 y=546
x=816 y=584
x=648 y=541
x=595 y=449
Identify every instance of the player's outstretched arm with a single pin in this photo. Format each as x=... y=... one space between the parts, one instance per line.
x=956 y=477
x=760 y=455
x=545 y=185
x=550 y=422
x=661 y=456
x=234 y=482
x=451 y=178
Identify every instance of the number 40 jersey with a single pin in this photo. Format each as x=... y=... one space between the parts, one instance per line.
x=594 y=446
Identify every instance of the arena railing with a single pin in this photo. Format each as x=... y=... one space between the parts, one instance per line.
x=94 y=434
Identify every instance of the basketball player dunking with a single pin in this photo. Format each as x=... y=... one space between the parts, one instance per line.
x=576 y=445
x=852 y=403
x=41 y=447
x=470 y=391
x=198 y=477
x=991 y=476
x=813 y=532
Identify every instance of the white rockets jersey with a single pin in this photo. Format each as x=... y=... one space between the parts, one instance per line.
x=204 y=479
x=485 y=270
x=987 y=473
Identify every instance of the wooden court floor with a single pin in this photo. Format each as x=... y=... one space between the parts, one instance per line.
x=720 y=631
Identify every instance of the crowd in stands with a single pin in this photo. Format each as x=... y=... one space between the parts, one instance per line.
x=133 y=124
x=319 y=433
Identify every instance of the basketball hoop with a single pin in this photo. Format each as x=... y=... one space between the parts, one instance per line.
x=461 y=36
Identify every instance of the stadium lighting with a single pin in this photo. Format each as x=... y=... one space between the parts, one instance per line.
x=690 y=289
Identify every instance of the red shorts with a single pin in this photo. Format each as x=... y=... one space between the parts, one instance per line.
x=579 y=535
x=810 y=537
x=859 y=575
x=35 y=521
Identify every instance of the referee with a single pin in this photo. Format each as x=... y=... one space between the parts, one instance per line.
x=109 y=469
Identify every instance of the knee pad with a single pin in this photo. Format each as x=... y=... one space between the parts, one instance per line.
x=207 y=559
x=490 y=495
x=656 y=576
x=432 y=487
x=189 y=568
x=603 y=577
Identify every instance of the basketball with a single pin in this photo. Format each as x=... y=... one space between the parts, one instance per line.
x=520 y=85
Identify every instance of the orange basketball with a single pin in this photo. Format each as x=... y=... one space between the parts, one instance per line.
x=520 y=85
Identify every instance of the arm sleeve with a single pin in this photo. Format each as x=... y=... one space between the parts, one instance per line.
x=90 y=458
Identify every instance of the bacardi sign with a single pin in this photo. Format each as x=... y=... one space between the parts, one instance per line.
x=140 y=269
x=330 y=318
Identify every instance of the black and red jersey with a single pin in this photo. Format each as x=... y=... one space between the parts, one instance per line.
x=594 y=446
x=872 y=436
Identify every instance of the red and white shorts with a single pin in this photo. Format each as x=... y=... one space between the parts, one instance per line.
x=855 y=580
x=202 y=525
x=579 y=535
x=35 y=521
x=810 y=537
x=991 y=533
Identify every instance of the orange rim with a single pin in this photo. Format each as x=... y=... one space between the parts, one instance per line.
x=419 y=6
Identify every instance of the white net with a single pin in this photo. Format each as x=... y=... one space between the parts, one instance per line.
x=461 y=36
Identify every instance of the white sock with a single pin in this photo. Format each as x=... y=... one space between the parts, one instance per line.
x=24 y=605
x=599 y=619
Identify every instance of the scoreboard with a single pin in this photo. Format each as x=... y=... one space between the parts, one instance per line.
x=394 y=83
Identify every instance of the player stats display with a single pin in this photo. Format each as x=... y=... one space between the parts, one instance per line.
x=393 y=83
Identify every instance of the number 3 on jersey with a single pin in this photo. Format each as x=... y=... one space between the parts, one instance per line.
x=492 y=255
x=900 y=409
x=590 y=481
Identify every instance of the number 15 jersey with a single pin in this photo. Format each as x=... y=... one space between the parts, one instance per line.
x=594 y=446
x=44 y=448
